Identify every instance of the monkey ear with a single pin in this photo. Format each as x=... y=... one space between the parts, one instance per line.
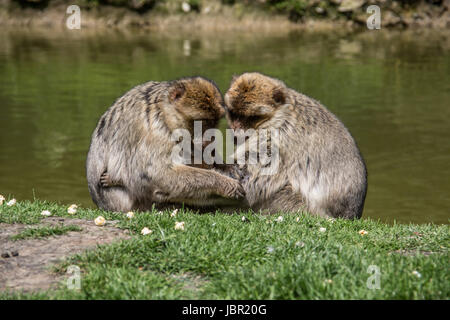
x=176 y=92
x=234 y=78
x=279 y=96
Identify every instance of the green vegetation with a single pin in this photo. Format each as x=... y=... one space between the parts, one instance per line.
x=43 y=232
x=398 y=13
x=295 y=8
x=220 y=256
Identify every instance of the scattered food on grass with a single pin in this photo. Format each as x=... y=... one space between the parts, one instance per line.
x=100 y=221
x=145 y=231
x=72 y=209
x=179 y=225
x=46 y=213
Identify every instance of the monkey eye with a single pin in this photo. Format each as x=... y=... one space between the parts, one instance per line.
x=233 y=115
x=254 y=118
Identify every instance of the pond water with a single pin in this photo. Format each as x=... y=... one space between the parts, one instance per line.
x=391 y=89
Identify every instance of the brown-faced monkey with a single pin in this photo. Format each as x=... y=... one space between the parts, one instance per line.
x=320 y=167
x=129 y=164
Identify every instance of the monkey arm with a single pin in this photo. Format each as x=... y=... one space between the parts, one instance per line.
x=182 y=183
x=230 y=170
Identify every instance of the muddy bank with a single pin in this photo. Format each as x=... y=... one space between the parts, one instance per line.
x=25 y=265
x=227 y=14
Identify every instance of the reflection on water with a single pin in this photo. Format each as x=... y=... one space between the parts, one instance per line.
x=392 y=90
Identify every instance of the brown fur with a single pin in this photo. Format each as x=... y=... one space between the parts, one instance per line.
x=129 y=161
x=321 y=169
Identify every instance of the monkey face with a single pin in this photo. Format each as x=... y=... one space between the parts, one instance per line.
x=252 y=100
x=196 y=99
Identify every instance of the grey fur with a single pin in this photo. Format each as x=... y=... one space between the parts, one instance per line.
x=129 y=163
x=321 y=169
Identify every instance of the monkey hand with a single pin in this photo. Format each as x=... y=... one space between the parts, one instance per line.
x=233 y=189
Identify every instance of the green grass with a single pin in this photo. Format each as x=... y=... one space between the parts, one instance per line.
x=43 y=232
x=218 y=256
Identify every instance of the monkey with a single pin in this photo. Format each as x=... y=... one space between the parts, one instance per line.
x=320 y=168
x=129 y=164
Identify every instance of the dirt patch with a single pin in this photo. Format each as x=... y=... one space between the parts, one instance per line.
x=25 y=264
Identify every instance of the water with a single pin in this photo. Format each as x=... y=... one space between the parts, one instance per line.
x=391 y=89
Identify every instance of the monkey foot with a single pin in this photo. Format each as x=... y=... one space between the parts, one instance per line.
x=105 y=180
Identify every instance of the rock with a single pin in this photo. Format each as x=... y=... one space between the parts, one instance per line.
x=417 y=16
x=5 y=255
x=350 y=5
x=207 y=10
x=15 y=253
x=446 y=4
x=360 y=18
x=390 y=19
x=320 y=10
x=313 y=3
x=186 y=7
x=140 y=5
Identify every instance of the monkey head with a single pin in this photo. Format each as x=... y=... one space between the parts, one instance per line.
x=253 y=101
x=193 y=99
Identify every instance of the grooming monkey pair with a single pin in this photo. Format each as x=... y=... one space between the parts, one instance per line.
x=129 y=162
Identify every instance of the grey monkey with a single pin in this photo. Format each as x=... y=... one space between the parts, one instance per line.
x=320 y=166
x=129 y=165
